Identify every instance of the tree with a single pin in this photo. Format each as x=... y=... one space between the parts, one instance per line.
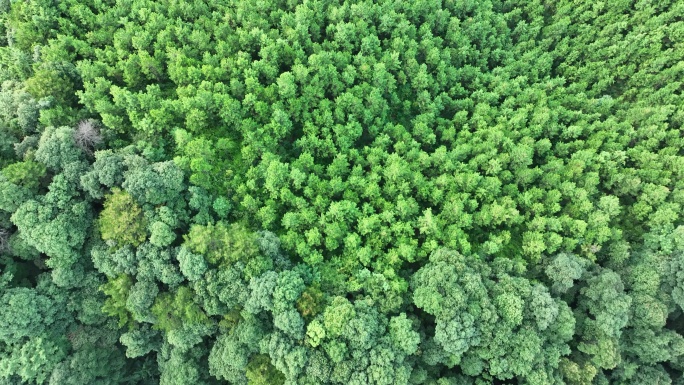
x=463 y=192
x=87 y=135
x=191 y=265
x=479 y=322
x=140 y=341
x=174 y=310
x=117 y=291
x=57 y=224
x=222 y=290
x=12 y=195
x=141 y=297
x=403 y=335
x=28 y=174
x=121 y=221
x=261 y=372
x=107 y=170
x=25 y=313
x=227 y=360
x=35 y=360
x=199 y=156
x=155 y=183
x=161 y=234
x=223 y=244
x=179 y=367
x=603 y=313
x=563 y=270
x=57 y=148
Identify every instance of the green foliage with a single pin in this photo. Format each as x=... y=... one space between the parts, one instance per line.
x=155 y=183
x=27 y=174
x=140 y=341
x=173 y=310
x=33 y=361
x=479 y=321
x=228 y=359
x=178 y=367
x=12 y=195
x=402 y=334
x=121 y=220
x=57 y=148
x=199 y=157
x=107 y=170
x=25 y=313
x=191 y=265
x=161 y=234
x=57 y=224
x=19 y=111
x=341 y=192
x=261 y=372
x=141 y=297
x=310 y=304
x=608 y=307
x=93 y=363
x=117 y=291
x=223 y=244
x=562 y=270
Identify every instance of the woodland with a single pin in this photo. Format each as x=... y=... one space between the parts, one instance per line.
x=386 y=192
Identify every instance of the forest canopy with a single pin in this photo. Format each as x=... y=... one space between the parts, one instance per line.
x=405 y=192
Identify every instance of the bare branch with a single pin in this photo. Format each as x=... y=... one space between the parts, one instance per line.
x=87 y=135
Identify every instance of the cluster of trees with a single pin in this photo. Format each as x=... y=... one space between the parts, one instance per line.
x=341 y=192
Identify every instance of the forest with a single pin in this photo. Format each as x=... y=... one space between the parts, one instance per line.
x=384 y=192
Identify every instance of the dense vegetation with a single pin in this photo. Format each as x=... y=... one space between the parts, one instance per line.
x=449 y=192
